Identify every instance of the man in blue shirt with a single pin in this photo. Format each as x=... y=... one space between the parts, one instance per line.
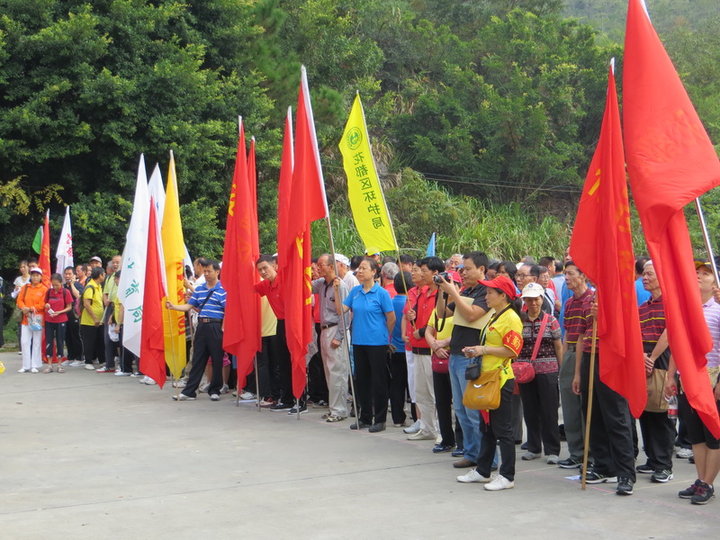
x=209 y=301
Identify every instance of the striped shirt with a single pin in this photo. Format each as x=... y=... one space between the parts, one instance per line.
x=214 y=308
x=711 y=310
x=577 y=316
x=652 y=325
x=546 y=360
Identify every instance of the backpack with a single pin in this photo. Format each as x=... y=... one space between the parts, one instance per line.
x=80 y=306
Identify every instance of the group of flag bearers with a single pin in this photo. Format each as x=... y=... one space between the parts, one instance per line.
x=670 y=162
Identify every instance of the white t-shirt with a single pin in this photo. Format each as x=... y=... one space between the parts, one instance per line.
x=18 y=283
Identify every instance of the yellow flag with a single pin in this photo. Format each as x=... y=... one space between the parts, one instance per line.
x=365 y=193
x=174 y=253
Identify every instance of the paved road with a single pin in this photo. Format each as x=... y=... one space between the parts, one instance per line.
x=90 y=455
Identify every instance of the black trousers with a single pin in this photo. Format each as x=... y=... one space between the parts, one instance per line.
x=126 y=357
x=371 y=371
x=541 y=399
x=317 y=385
x=611 y=444
x=397 y=364
x=280 y=367
x=499 y=433
x=263 y=369
x=443 y=406
x=658 y=433
x=92 y=342
x=207 y=343
x=72 y=338
x=55 y=335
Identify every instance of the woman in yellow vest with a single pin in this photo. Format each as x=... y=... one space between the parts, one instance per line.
x=500 y=342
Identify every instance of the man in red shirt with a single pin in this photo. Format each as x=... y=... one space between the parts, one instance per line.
x=280 y=368
x=423 y=308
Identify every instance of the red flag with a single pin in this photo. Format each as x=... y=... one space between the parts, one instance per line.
x=287 y=165
x=44 y=261
x=152 y=344
x=601 y=245
x=307 y=194
x=671 y=161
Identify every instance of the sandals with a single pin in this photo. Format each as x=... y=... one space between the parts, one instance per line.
x=333 y=418
x=47 y=369
x=61 y=369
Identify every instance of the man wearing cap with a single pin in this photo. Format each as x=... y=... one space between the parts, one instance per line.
x=95 y=262
x=344 y=273
x=658 y=430
x=333 y=333
x=91 y=325
x=469 y=302
x=31 y=301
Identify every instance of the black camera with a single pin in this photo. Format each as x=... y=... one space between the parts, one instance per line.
x=438 y=278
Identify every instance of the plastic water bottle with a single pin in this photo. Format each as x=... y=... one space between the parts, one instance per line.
x=672 y=408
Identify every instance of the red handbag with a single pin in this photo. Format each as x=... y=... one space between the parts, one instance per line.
x=440 y=365
x=524 y=371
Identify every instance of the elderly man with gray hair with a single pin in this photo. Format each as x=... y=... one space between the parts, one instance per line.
x=387 y=277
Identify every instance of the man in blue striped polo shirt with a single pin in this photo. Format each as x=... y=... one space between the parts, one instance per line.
x=209 y=301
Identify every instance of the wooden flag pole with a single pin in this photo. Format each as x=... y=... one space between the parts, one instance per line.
x=591 y=377
x=257 y=385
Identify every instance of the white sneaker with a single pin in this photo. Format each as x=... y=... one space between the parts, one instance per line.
x=121 y=374
x=76 y=363
x=421 y=435
x=552 y=459
x=66 y=363
x=179 y=384
x=247 y=396
x=414 y=428
x=214 y=397
x=529 y=456
x=472 y=476
x=204 y=387
x=684 y=453
x=34 y=370
x=225 y=389
x=149 y=380
x=500 y=483
x=23 y=370
x=90 y=367
x=182 y=397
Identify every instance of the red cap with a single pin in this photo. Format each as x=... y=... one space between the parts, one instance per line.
x=503 y=283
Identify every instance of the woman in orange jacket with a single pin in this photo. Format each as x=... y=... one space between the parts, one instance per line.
x=31 y=301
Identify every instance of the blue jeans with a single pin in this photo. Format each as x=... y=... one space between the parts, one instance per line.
x=469 y=419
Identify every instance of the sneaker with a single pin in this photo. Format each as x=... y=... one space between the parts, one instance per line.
x=414 y=428
x=136 y=374
x=660 y=477
x=148 y=380
x=122 y=374
x=247 y=396
x=23 y=370
x=625 y=486
x=529 y=456
x=703 y=494
x=464 y=463
x=405 y=423
x=552 y=459
x=359 y=425
x=594 y=477
x=294 y=410
x=225 y=389
x=441 y=448
x=500 y=483
x=458 y=452
x=473 y=477
x=320 y=404
x=421 y=435
x=66 y=363
x=524 y=446
x=182 y=397
x=684 y=453
x=214 y=397
x=179 y=384
x=76 y=363
x=280 y=407
x=89 y=367
x=376 y=428
x=569 y=463
x=34 y=370
x=203 y=388
x=645 y=469
x=687 y=493
x=105 y=370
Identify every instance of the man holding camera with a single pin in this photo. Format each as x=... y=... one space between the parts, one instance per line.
x=471 y=305
x=418 y=314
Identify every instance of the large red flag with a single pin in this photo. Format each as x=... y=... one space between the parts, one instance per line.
x=601 y=245
x=307 y=203
x=44 y=261
x=152 y=344
x=671 y=161
x=287 y=164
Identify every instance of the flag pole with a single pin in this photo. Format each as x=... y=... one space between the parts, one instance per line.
x=706 y=238
x=257 y=384
x=591 y=378
x=345 y=329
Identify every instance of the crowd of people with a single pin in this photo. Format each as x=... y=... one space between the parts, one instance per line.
x=389 y=332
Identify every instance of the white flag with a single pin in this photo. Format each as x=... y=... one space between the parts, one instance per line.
x=157 y=192
x=64 y=253
x=132 y=276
